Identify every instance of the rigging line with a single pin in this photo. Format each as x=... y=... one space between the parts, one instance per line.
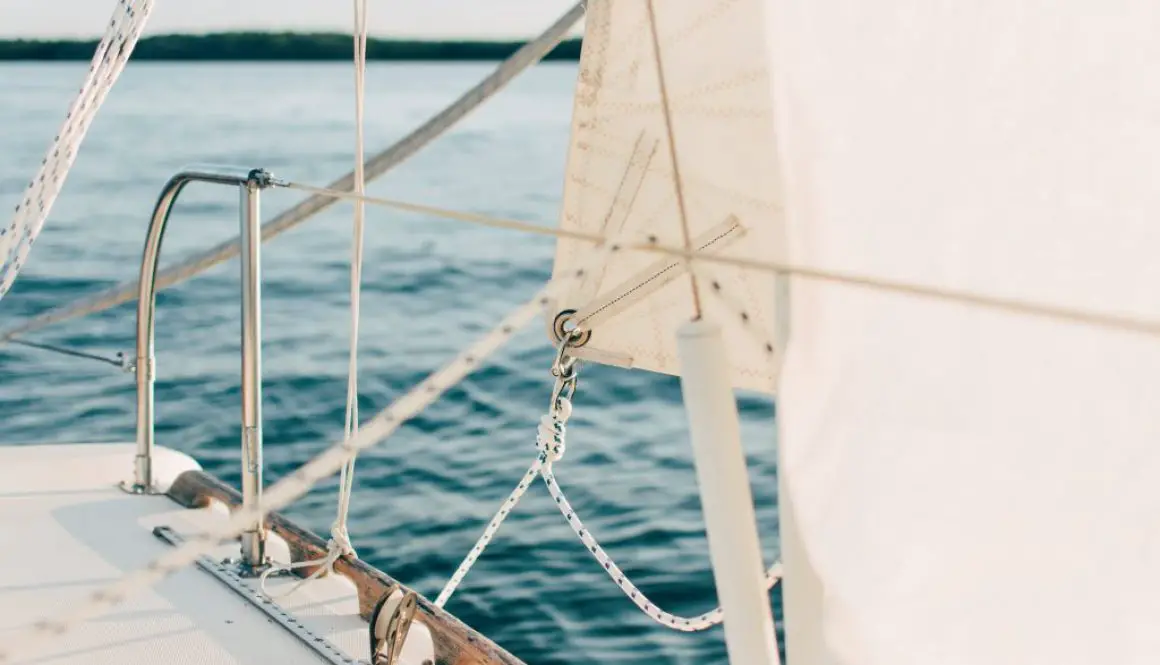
x=489 y=532
x=346 y=479
x=119 y=361
x=668 y=114
x=37 y=200
x=1014 y=305
x=339 y=544
x=703 y=621
x=550 y=440
x=1009 y=304
x=377 y=165
x=296 y=484
x=456 y=215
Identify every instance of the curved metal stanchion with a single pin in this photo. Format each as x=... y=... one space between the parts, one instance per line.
x=250 y=182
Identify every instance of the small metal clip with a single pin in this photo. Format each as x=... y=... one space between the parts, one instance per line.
x=564 y=365
x=564 y=390
x=565 y=369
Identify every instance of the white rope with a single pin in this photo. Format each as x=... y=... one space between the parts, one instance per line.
x=339 y=544
x=685 y=624
x=384 y=161
x=490 y=530
x=336 y=547
x=446 y=213
x=346 y=479
x=550 y=440
x=108 y=62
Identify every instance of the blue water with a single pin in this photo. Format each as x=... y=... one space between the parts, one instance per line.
x=430 y=287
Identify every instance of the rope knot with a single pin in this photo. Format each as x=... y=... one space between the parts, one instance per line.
x=339 y=544
x=337 y=547
x=550 y=436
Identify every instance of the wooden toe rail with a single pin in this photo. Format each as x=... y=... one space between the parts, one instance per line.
x=455 y=642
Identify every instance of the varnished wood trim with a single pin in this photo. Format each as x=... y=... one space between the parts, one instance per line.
x=455 y=642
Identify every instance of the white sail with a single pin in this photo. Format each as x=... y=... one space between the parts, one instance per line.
x=620 y=180
x=974 y=486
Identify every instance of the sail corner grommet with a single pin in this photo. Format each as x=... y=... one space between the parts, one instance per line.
x=563 y=332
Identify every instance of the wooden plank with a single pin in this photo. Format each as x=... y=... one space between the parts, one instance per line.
x=455 y=642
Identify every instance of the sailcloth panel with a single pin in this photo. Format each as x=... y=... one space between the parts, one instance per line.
x=974 y=487
x=620 y=179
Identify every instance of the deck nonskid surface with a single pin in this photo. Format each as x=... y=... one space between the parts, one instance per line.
x=67 y=529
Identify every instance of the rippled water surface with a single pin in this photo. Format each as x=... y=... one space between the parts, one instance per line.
x=430 y=287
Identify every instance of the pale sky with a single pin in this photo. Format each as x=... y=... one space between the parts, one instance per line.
x=411 y=18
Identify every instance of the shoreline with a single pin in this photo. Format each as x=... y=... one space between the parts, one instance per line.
x=277 y=47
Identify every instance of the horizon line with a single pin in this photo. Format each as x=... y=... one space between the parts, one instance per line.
x=255 y=46
x=328 y=33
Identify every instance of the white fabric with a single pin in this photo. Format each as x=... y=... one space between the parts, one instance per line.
x=620 y=179
x=974 y=487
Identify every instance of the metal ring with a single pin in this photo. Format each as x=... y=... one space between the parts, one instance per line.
x=573 y=337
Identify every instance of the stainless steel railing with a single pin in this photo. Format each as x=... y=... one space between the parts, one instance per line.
x=250 y=182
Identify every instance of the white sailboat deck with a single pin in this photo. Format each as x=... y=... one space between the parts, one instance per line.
x=68 y=528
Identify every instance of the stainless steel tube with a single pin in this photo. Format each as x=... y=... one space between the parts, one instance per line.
x=253 y=539
x=143 y=481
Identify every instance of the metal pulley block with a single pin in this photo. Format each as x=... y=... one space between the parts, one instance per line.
x=389 y=624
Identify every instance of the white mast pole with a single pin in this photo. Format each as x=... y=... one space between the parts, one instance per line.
x=726 y=498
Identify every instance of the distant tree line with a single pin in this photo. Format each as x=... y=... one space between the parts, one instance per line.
x=267 y=46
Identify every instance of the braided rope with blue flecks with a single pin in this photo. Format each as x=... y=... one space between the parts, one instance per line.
x=108 y=62
x=550 y=439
